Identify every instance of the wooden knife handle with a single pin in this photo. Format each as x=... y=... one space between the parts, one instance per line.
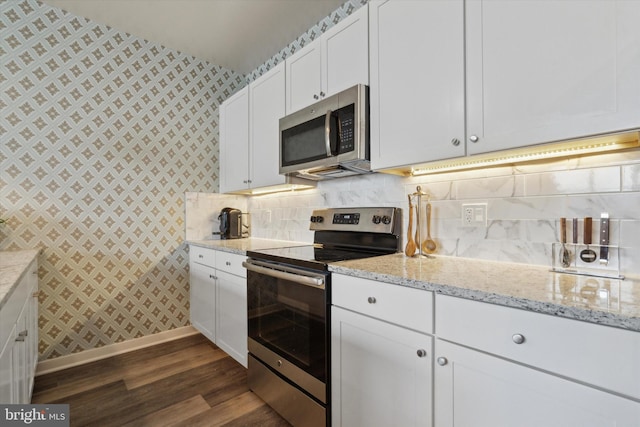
x=587 y=230
x=563 y=230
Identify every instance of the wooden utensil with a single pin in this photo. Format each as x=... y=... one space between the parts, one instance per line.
x=410 y=248
x=565 y=257
x=417 y=235
x=587 y=255
x=429 y=245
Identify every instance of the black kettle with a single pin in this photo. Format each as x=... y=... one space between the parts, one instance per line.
x=230 y=223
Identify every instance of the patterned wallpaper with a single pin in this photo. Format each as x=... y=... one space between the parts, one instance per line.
x=101 y=135
x=310 y=35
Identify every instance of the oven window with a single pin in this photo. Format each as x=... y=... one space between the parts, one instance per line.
x=289 y=319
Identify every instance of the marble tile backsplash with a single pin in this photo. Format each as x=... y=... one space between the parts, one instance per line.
x=202 y=210
x=524 y=204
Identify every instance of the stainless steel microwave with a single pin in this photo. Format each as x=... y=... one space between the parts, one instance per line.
x=328 y=139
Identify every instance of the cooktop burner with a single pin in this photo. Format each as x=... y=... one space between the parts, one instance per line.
x=312 y=254
x=342 y=234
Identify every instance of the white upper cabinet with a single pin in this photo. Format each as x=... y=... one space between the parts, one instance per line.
x=303 y=77
x=266 y=100
x=249 y=134
x=336 y=61
x=234 y=142
x=417 y=81
x=545 y=71
x=534 y=71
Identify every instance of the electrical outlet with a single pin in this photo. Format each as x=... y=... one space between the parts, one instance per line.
x=474 y=215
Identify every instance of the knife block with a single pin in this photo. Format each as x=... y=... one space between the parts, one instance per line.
x=577 y=266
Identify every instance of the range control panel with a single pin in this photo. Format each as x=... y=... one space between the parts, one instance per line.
x=377 y=220
x=346 y=218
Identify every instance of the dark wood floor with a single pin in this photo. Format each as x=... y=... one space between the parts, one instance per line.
x=186 y=382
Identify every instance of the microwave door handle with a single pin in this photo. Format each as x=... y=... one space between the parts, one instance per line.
x=327 y=132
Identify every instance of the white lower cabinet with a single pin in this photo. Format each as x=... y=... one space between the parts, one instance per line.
x=202 y=298
x=19 y=340
x=404 y=357
x=502 y=366
x=381 y=372
x=474 y=389
x=218 y=299
x=231 y=316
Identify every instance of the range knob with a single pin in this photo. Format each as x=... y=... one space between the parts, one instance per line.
x=376 y=219
x=319 y=219
x=386 y=219
x=313 y=218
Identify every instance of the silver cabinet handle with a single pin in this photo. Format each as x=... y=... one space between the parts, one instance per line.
x=455 y=142
x=422 y=353
x=474 y=138
x=371 y=300
x=442 y=361
x=19 y=339
x=211 y=276
x=23 y=333
x=518 y=338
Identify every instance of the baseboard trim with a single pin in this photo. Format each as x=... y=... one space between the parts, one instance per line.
x=71 y=360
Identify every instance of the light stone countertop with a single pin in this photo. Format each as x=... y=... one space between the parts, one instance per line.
x=241 y=246
x=13 y=265
x=603 y=301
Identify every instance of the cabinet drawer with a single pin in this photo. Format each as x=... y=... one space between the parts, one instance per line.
x=599 y=355
x=231 y=263
x=408 y=307
x=202 y=255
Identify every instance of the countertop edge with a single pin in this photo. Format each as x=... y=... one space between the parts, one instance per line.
x=241 y=246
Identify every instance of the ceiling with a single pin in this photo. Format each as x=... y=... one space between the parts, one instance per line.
x=239 y=35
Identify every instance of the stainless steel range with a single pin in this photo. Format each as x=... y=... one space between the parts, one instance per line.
x=289 y=298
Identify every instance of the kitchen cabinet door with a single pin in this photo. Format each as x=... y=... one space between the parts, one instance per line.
x=202 y=299
x=7 y=371
x=267 y=101
x=231 y=312
x=304 y=81
x=474 y=389
x=417 y=81
x=381 y=374
x=20 y=359
x=31 y=325
x=345 y=53
x=336 y=61
x=234 y=142
x=545 y=71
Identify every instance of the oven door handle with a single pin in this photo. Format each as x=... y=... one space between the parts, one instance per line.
x=292 y=274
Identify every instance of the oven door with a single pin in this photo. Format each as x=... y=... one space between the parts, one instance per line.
x=287 y=321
